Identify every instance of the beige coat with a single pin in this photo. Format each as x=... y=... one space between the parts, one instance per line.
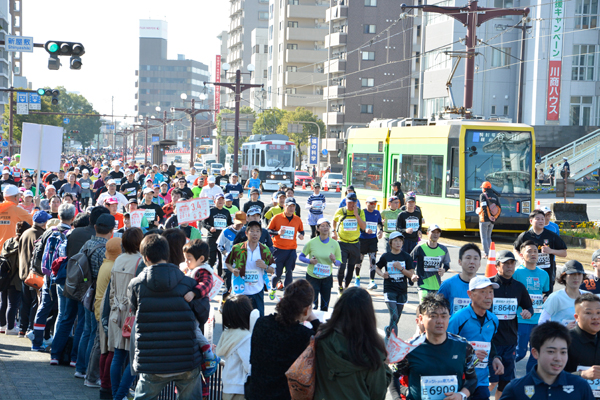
x=122 y=273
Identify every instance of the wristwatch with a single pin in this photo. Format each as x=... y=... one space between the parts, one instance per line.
x=464 y=396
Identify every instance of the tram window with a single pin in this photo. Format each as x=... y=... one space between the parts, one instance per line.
x=262 y=158
x=367 y=170
x=436 y=174
x=257 y=157
x=414 y=173
x=454 y=168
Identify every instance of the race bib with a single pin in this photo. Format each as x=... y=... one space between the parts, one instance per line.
x=412 y=223
x=85 y=185
x=211 y=203
x=317 y=205
x=538 y=302
x=234 y=193
x=485 y=346
x=434 y=387
x=393 y=271
x=391 y=225
x=505 y=309
x=251 y=277
x=220 y=223
x=460 y=303
x=372 y=226
x=543 y=260
x=322 y=270
x=594 y=384
x=432 y=264
x=350 y=225
x=289 y=232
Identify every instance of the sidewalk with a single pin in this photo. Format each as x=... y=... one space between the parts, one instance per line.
x=27 y=375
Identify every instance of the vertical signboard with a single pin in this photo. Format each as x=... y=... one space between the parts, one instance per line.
x=314 y=151
x=217 y=88
x=555 y=62
x=22 y=103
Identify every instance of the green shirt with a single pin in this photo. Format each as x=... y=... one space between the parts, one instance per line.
x=348 y=229
x=196 y=191
x=273 y=211
x=232 y=210
x=315 y=247
x=389 y=218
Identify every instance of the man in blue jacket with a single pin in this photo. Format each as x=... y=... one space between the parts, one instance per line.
x=478 y=325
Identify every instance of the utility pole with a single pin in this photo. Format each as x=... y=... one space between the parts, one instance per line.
x=523 y=28
x=192 y=112
x=145 y=125
x=238 y=87
x=471 y=16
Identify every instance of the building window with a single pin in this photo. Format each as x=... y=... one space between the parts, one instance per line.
x=271 y=32
x=280 y=47
x=292 y=24
x=257 y=48
x=291 y=46
x=263 y=15
x=501 y=57
x=266 y=49
x=433 y=107
x=434 y=18
x=290 y=90
x=293 y=2
x=586 y=14
x=493 y=110
x=416 y=84
x=280 y=25
x=597 y=111
x=370 y=29
x=366 y=108
x=367 y=82
x=263 y=1
x=581 y=111
x=583 y=62
x=438 y=59
x=506 y=110
x=270 y=72
x=291 y=68
x=265 y=73
x=368 y=55
x=370 y=3
x=270 y=52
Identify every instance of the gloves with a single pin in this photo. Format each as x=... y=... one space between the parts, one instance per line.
x=211 y=363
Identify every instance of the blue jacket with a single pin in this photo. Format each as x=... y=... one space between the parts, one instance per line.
x=532 y=387
x=466 y=324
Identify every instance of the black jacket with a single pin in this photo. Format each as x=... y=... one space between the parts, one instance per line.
x=77 y=239
x=165 y=337
x=584 y=350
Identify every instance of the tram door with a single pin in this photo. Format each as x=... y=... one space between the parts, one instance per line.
x=395 y=172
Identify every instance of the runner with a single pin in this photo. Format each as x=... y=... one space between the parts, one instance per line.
x=368 y=241
x=254 y=201
x=551 y=226
x=443 y=364
x=550 y=343
x=409 y=223
x=315 y=206
x=489 y=211
x=510 y=295
x=390 y=217
x=352 y=219
x=456 y=288
x=549 y=244
x=479 y=326
x=235 y=189
x=217 y=221
x=591 y=282
x=560 y=305
x=279 y=208
x=398 y=268
x=536 y=281
x=229 y=205
x=432 y=261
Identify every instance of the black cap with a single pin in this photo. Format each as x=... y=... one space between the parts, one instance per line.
x=106 y=220
x=253 y=223
x=505 y=255
x=290 y=200
x=351 y=197
x=573 y=267
x=134 y=200
x=279 y=194
x=255 y=190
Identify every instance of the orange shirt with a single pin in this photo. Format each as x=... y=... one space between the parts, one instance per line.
x=10 y=214
x=118 y=220
x=288 y=240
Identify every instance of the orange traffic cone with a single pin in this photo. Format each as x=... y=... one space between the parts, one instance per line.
x=303 y=185
x=337 y=190
x=539 y=206
x=326 y=188
x=490 y=268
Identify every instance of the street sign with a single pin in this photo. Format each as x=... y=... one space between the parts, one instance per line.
x=294 y=128
x=313 y=150
x=66 y=120
x=324 y=152
x=22 y=106
x=4 y=143
x=35 y=101
x=18 y=43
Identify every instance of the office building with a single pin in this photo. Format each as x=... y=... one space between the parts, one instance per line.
x=259 y=76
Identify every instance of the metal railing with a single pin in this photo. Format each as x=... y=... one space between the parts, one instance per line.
x=572 y=151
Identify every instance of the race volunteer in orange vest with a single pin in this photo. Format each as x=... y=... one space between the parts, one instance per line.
x=11 y=213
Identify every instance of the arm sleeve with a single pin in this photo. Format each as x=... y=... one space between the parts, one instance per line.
x=544 y=317
x=446 y=260
x=302 y=257
x=208 y=223
x=526 y=303
x=470 y=382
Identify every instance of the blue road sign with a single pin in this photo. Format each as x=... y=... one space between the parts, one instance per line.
x=313 y=151
x=35 y=101
x=22 y=97
x=66 y=120
x=324 y=152
x=4 y=143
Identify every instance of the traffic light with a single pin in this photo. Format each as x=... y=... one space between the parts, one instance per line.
x=56 y=49
x=50 y=92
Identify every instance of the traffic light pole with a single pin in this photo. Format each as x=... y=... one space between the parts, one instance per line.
x=192 y=112
x=471 y=16
x=238 y=88
x=145 y=125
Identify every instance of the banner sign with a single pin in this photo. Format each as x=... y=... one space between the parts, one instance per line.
x=555 y=62
x=192 y=210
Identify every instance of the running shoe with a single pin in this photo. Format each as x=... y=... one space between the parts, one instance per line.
x=48 y=342
x=279 y=285
x=357 y=281
x=30 y=335
x=92 y=384
x=79 y=375
x=41 y=348
x=340 y=290
x=3 y=329
x=53 y=361
x=372 y=286
x=14 y=331
x=272 y=294
x=73 y=364
x=21 y=334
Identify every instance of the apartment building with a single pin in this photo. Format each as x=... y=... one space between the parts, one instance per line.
x=297 y=54
x=369 y=74
x=260 y=49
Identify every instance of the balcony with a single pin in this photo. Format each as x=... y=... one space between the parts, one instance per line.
x=333 y=91
x=236 y=6
x=234 y=39
x=236 y=23
x=337 y=39
x=304 y=78
x=305 y=56
x=336 y=13
x=303 y=100
x=333 y=118
x=335 y=66
x=306 y=34
x=304 y=11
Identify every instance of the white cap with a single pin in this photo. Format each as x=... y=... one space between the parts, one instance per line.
x=28 y=193
x=395 y=235
x=148 y=190
x=323 y=220
x=212 y=179
x=111 y=182
x=545 y=210
x=433 y=228
x=10 y=190
x=85 y=171
x=565 y=158
x=480 y=282
x=371 y=199
x=115 y=163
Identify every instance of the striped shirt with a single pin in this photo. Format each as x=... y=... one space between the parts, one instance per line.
x=316 y=198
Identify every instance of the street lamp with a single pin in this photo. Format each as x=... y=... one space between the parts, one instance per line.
x=192 y=112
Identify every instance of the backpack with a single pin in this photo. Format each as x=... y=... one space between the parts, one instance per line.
x=79 y=274
x=6 y=274
x=49 y=254
x=493 y=209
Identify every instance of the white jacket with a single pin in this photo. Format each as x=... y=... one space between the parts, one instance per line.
x=234 y=349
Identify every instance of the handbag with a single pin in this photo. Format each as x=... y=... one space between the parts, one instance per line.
x=128 y=325
x=89 y=298
x=302 y=374
x=34 y=280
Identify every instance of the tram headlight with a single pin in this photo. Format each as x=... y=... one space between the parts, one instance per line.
x=526 y=207
x=470 y=205
x=285 y=177
x=272 y=176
